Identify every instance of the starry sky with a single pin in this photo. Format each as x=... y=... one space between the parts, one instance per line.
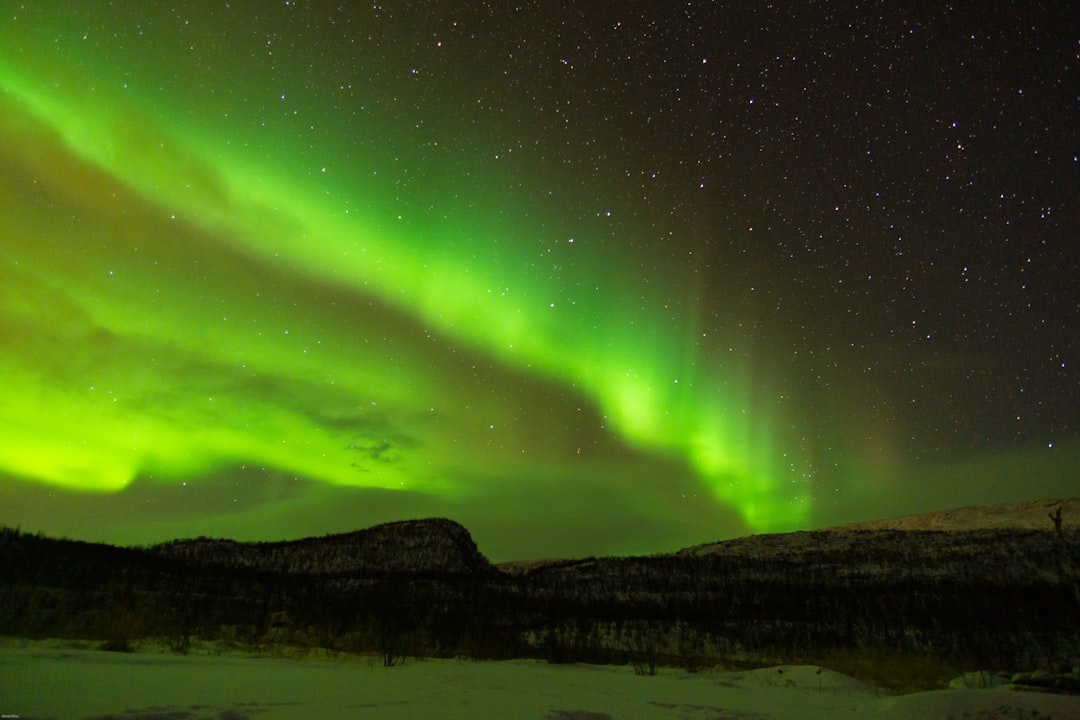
x=589 y=278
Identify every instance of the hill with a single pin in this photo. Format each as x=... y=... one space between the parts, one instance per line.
x=435 y=545
x=1030 y=515
x=987 y=594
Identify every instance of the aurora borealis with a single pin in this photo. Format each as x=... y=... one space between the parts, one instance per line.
x=604 y=280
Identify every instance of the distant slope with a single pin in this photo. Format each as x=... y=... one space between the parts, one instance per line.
x=433 y=545
x=1029 y=515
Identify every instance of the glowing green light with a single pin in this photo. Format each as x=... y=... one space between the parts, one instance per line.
x=466 y=276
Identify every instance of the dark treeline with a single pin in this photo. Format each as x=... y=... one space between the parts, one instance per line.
x=987 y=598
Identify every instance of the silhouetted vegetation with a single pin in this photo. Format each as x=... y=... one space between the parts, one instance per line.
x=961 y=599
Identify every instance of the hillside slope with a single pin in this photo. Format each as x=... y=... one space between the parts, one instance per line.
x=435 y=545
x=1030 y=515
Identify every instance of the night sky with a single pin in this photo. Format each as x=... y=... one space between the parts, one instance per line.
x=587 y=277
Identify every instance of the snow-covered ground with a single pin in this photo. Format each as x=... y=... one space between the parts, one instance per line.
x=66 y=680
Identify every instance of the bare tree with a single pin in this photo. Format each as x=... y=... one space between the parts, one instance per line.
x=1068 y=558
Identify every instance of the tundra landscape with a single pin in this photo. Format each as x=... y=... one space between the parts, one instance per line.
x=977 y=606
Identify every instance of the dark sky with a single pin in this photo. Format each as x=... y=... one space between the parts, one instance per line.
x=589 y=278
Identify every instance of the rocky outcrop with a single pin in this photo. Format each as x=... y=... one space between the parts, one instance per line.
x=427 y=546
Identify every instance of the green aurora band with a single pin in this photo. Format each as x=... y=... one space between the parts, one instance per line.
x=191 y=281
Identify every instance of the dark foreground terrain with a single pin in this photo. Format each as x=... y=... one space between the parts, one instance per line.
x=1003 y=598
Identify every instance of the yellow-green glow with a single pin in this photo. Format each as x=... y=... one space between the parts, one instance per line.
x=237 y=293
